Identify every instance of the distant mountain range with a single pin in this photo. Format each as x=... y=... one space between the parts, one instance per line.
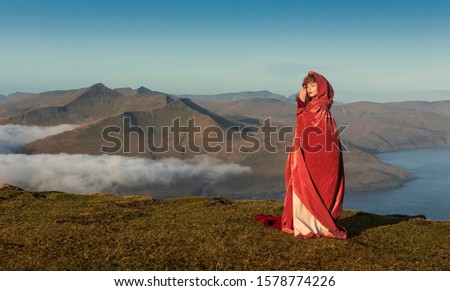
x=389 y=96
x=227 y=97
x=13 y=96
x=372 y=128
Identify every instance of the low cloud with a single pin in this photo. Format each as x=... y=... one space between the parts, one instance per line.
x=12 y=136
x=107 y=173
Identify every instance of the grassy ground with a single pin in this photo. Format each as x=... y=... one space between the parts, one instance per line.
x=61 y=231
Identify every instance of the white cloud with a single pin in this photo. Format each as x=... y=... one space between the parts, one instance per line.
x=106 y=173
x=12 y=136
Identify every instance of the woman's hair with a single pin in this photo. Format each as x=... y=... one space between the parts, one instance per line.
x=308 y=79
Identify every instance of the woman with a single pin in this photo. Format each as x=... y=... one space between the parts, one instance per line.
x=314 y=168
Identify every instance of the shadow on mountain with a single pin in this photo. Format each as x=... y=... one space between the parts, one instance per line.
x=362 y=221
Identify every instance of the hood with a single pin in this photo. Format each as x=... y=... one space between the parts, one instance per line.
x=325 y=92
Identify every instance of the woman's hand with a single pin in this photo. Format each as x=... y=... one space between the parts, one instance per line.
x=302 y=94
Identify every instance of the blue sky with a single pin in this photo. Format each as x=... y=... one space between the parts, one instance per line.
x=193 y=47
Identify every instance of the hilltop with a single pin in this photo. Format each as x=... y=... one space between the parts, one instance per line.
x=62 y=231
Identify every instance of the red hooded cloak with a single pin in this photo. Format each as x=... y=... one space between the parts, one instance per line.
x=314 y=172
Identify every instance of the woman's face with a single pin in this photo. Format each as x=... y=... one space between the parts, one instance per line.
x=311 y=88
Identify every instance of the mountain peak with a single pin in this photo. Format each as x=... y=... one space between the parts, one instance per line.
x=144 y=91
x=93 y=92
x=99 y=89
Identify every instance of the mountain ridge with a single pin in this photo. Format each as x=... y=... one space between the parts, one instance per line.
x=85 y=105
x=13 y=96
x=225 y=97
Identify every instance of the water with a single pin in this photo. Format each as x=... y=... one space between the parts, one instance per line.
x=428 y=195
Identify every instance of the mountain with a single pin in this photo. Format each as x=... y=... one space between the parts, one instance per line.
x=18 y=95
x=127 y=91
x=34 y=101
x=388 y=96
x=84 y=105
x=267 y=176
x=226 y=97
x=373 y=127
x=145 y=91
x=439 y=107
x=139 y=91
x=256 y=110
x=71 y=107
x=378 y=127
x=88 y=139
x=292 y=99
x=13 y=96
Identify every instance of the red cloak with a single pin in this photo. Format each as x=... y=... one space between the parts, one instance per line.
x=314 y=171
